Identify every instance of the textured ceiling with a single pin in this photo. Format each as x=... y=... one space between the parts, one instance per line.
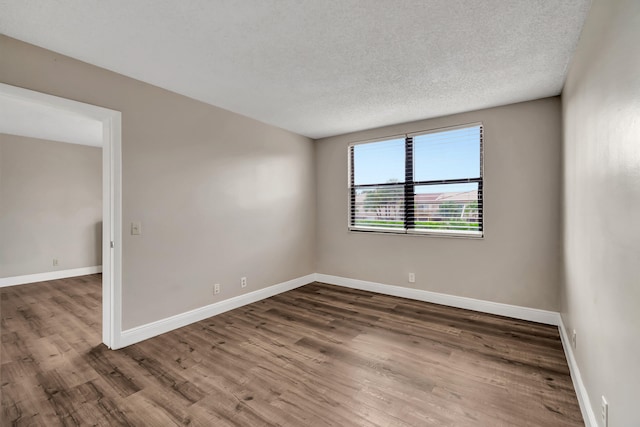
x=36 y=120
x=321 y=67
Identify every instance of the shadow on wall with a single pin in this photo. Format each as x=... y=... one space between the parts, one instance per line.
x=98 y=242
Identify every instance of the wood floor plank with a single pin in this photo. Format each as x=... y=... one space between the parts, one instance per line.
x=319 y=355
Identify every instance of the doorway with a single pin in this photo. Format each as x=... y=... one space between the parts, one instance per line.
x=111 y=198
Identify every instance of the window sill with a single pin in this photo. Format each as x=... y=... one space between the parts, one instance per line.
x=431 y=233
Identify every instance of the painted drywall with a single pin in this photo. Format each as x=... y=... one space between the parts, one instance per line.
x=601 y=291
x=219 y=196
x=50 y=206
x=517 y=262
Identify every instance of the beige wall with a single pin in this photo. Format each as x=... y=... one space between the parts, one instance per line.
x=601 y=294
x=518 y=261
x=50 y=206
x=219 y=195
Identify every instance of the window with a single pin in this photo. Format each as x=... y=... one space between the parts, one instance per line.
x=423 y=183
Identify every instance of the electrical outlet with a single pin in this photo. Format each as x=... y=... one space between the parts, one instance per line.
x=243 y=282
x=574 y=339
x=412 y=278
x=55 y=262
x=605 y=412
x=216 y=289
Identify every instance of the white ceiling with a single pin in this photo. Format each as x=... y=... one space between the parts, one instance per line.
x=319 y=67
x=36 y=120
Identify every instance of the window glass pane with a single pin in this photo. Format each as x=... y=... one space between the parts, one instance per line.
x=450 y=154
x=448 y=207
x=379 y=162
x=381 y=207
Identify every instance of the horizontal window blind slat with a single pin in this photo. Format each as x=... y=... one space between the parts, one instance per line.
x=381 y=206
x=448 y=199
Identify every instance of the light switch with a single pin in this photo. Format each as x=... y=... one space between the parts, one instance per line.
x=136 y=228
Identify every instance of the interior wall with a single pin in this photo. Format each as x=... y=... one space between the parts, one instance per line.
x=601 y=292
x=518 y=260
x=220 y=196
x=50 y=206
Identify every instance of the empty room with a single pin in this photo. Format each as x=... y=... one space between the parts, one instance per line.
x=320 y=213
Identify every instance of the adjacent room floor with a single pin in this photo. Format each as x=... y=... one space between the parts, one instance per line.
x=319 y=355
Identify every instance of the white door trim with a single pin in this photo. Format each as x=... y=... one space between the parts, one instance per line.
x=111 y=200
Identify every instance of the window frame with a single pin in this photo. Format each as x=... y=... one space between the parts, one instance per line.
x=409 y=186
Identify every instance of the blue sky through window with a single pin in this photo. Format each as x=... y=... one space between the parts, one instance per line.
x=379 y=162
x=440 y=155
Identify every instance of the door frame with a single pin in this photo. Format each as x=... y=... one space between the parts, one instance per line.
x=111 y=200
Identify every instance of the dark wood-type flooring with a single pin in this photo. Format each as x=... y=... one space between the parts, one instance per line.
x=319 y=355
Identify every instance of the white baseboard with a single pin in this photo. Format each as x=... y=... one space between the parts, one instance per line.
x=150 y=330
x=581 y=391
x=50 y=275
x=517 y=312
